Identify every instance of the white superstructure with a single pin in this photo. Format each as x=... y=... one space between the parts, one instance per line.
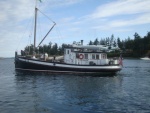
x=87 y=55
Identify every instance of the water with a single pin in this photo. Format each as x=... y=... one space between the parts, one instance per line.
x=127 y=92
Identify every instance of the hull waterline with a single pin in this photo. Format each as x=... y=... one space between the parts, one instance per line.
x=55 y=67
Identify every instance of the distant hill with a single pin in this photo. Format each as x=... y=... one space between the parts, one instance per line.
x=6 y=57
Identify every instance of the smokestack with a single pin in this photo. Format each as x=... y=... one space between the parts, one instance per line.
x=81 y=42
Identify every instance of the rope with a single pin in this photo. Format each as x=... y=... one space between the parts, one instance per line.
x=46 y=16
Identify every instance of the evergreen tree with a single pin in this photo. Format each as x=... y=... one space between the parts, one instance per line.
x=138 y=46
x=96 y=42
x=90 y=43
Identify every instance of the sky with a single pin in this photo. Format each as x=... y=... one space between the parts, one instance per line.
x=75 y=20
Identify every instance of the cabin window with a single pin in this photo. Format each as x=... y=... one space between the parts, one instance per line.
x=77 y=55
x=103 y=56
x=86 y=56
x=97 y=56
x=93 y=56
x=68 y=51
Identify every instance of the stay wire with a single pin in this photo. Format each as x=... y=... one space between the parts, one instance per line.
x=46 y=15
x=29 y=21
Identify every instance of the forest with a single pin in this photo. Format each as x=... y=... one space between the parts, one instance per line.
x=137 y=47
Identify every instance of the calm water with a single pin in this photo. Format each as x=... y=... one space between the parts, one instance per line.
x=127 y=92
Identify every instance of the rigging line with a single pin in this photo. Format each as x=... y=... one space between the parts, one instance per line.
x=46 y=16
x=32 y=27
x=22 y=36
x=30 y=32
x=29 y=21
x=40 y=30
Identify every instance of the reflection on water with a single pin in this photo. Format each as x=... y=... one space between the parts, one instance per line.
x=127 y=91
x=83 y=92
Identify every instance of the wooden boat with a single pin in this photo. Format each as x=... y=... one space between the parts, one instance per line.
x=77 y=58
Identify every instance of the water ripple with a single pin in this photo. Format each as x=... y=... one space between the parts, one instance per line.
x=127 y=92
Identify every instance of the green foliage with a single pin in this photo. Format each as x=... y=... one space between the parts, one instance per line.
x=50 y=49
x=113 y=54
x=137 y=47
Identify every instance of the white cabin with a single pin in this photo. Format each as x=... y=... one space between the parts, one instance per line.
x=87 y=55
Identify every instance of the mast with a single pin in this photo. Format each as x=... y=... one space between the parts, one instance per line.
x=36 y=9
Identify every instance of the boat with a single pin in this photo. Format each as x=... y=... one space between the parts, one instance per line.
x=77 y=58
x=145 y=58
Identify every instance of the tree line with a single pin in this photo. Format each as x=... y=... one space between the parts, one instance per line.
x=137 y=47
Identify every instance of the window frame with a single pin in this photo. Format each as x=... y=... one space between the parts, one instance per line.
x=86 y=56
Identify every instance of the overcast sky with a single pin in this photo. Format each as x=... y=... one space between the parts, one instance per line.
x=76 y=20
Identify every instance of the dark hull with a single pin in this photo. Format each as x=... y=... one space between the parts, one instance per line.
x=55 y=67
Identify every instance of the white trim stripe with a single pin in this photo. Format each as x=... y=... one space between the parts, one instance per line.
x=70 y=66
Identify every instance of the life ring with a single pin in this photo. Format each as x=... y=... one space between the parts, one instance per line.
x=81 y=56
